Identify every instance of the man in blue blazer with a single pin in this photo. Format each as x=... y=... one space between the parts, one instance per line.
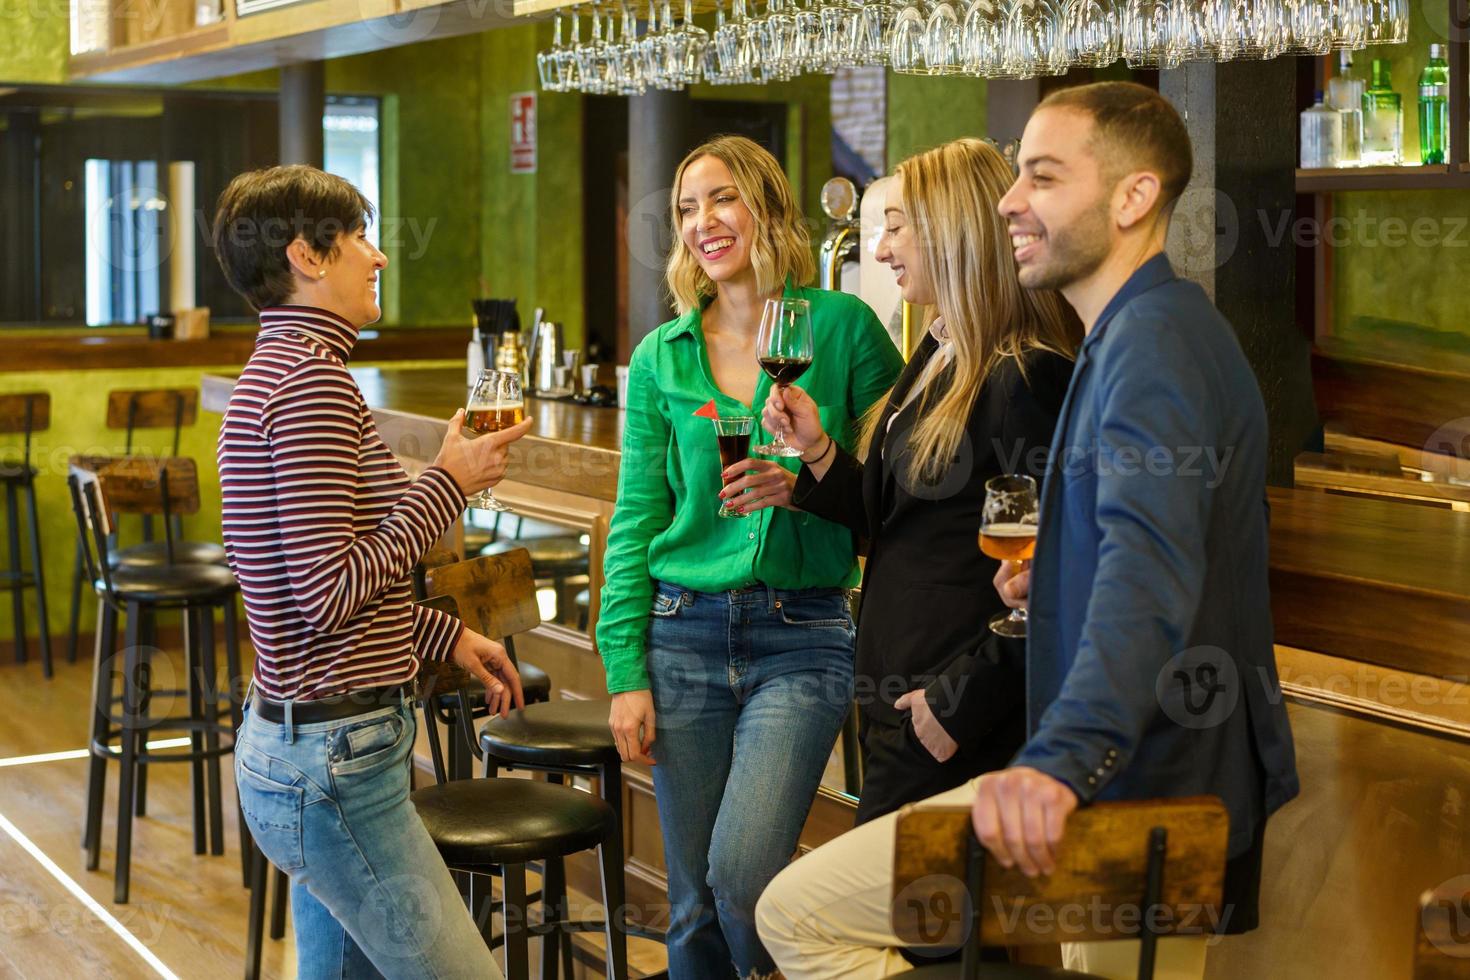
x=1150 y=670
x=1149 y=664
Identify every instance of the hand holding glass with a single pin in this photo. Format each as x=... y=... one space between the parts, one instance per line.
x=784 y=348
x=1008 y=532
x=495 y=403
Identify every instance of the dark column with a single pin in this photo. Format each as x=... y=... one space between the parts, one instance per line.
x=657 y=138
x=303 y=99
x=1231 y=231
x=1008 y=105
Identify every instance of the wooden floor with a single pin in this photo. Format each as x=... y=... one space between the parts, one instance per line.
x=186 y=911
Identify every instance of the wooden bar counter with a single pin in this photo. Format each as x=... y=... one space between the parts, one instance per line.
x=1371 y=605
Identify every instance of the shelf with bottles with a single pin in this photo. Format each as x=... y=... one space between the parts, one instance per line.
x=1404 y=111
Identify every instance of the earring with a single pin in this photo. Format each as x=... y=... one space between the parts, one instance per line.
x=322 y=274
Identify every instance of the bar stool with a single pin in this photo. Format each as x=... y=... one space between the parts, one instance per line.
x=474 y=587
x=561 y=738
x=129 y=410
x=165 y=489
x=486 y=827
x=29 y=412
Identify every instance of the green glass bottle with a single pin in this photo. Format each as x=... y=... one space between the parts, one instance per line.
x=1383 y=120
x=1434 y=107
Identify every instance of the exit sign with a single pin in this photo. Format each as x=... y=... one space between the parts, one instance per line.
x=523 y=133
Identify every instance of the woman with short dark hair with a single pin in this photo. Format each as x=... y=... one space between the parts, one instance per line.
x=322 y=527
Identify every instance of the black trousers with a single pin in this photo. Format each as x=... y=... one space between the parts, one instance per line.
x=900 y=770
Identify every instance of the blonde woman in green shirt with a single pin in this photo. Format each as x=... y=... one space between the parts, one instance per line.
x=728 y=643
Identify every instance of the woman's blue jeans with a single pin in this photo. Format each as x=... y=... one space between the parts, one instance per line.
x=370 y=896
x=750 y=688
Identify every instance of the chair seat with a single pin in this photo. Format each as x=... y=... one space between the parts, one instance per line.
x=151 y=554
x=996 y=971
x=173 y=584
x=13 y=470
x=535 y=685
x=558 y=557
x=556 y=733
x=481 y=822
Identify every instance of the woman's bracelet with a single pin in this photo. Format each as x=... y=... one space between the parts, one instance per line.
x=825 y=450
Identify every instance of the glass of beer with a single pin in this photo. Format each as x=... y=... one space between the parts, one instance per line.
x=495 y=403
x=733 y=435
x=784 y=349
x=1008 y=532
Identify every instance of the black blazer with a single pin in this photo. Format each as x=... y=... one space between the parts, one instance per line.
x=927 y=589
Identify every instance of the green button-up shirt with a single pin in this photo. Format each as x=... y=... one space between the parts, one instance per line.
x=665 y=528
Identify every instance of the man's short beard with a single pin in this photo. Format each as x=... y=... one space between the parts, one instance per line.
x=1076 y=252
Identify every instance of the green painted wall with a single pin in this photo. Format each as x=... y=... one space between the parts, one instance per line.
x=924 y=112
x=78 y=406
x=35 y=38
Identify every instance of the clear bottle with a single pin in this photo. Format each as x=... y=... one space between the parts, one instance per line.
x=1321 y=136
x=1345 y=94
x=1434 y=107
x=1383 y=120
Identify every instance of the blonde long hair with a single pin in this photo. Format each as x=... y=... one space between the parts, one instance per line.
x=950 y=194
x=782 y=245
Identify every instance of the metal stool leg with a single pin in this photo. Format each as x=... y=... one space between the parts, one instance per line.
x=106 y=655
x=147 y=643
x=39 y=571
x=192 y=679
x=235 y=692
x=278 y=906
x=210 y=693
x=132 y=681
x=611 y=854
x=17 y=594
x=255 y=929
x=517 y=950
x=76 y=605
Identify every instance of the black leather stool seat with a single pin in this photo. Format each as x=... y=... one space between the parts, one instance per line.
x=559 y=557
x=996 y=971
x=151 y=554
x=11 y=469
x=172 y=584
x=477 y=823
x=535 y=684
x=557 y=733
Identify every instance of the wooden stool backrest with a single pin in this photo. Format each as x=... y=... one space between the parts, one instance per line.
x=496 y=594
x=1102 y=865
x=137 y=485
x=26 y=412
x=1442 y=944
x=152 y=408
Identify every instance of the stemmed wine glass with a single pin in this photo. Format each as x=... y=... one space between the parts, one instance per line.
x=784 y=348
x=1008 y=524
x=495 y=403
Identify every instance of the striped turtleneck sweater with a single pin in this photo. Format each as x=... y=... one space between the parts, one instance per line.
x=321 y=524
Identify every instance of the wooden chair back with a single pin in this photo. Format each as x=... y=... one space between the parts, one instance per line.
x=438 y=677
x=137 y=485
x=496 y=594
x=25 y=412
x=152 y=408
x=1101 y=889
x=1442 y=946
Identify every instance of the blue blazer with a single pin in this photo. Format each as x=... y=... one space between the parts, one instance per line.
x=1150 y=669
